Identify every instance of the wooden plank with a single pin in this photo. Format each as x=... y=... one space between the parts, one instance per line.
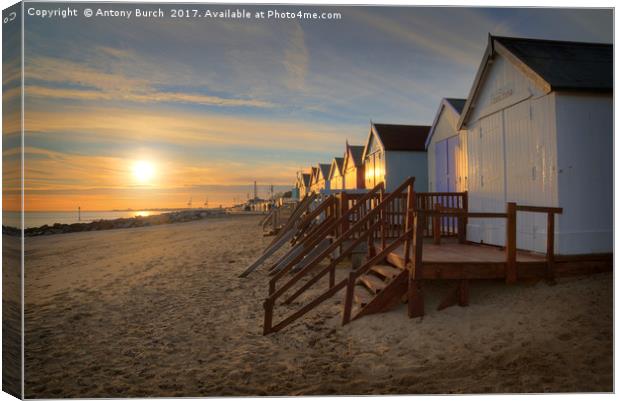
x=437 y=224
x=387 y=271
x=361 y=295
x=550 y=246
x=388 y=298
x=298 y=211
x=348 y=298
x=284 y=260
x=463 y=293
x=310 y=256
x=267 y=323
x=310 y=266
x=415 y=299
x=373 y=283
x=415 y=296
x=511 y=243
x=270 y=251
x=450 y=299
x=539 y=209
x=458 y=295
x=567 y=269
x=464 y=270
x=307 y=308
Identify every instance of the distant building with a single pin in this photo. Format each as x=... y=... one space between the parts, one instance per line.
x=446 y=149
x=395 y=152
x=539 y=128
x=320 y=178
x=302 y=185
x=336 y=177
x=353 y=167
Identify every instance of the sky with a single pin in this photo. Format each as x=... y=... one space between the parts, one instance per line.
x=209 y=106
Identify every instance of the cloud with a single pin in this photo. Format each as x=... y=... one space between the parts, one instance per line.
x=50 y=77
x=60 y=181
x=182 y=128
x=296 y=59
x=149 y=96
x=425 y=34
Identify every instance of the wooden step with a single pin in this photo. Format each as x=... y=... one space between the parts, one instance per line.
x=387 y=271
x=372 y=282
x=362 y=296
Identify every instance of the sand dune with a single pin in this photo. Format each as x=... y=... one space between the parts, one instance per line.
x=160 y=311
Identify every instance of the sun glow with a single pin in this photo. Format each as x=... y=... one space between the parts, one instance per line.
x=143 y=171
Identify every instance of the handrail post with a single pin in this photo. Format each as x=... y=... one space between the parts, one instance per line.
x=511 y=242
x=348 y=298
x=410 y=206
x=344 y=206
x=550 y=247
x=415 y=307
x=267 y=325
x=382 y=215
x=437 y=225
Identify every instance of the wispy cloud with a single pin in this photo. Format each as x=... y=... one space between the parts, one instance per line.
x=425 y=34
x=186 y=128
x=82 y=82
x=296 y=59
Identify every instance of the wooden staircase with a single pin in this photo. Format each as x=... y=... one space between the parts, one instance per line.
x=378 y=290
x=381 y=285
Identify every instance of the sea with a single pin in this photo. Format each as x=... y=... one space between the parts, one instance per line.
x=38 y=219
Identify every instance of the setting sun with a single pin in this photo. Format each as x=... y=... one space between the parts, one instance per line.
x=143 y=171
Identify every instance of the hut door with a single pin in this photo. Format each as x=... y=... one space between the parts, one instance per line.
x=445 y=164
x=452 y=148
x=441 y=166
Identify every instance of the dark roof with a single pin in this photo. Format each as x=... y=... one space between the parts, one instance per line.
x=457 y=104
x=339 y=161
x=306 y=179
x=565 y=65
x=324 y=169
x=402 y=137
x=313 y=172
x=357 y=152
x=338 y=168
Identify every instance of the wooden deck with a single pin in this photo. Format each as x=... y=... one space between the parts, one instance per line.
x=452 y=260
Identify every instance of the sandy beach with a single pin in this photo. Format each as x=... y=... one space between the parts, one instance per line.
x=160 y=311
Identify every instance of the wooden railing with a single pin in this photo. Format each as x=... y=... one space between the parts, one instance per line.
x=449 y=226
x=362 y=230
x=315 y=217
x=317 y=236
x=511 y=230
x=301 y=208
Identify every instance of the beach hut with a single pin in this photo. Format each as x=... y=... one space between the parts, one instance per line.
x=446 y=149
x=313 y=178
x=539 y=126
x=336 y=177
x=353 y=167
x=302 y=184
x=394 y=152
x=320 y=178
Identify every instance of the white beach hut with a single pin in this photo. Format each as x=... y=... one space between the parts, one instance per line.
x=353 y=168
x=320 y=179
x=336 y=176
x=446 y=149
x=395 y=152
x=539 y=126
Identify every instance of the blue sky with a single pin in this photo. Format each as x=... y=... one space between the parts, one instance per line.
x=224 y=102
